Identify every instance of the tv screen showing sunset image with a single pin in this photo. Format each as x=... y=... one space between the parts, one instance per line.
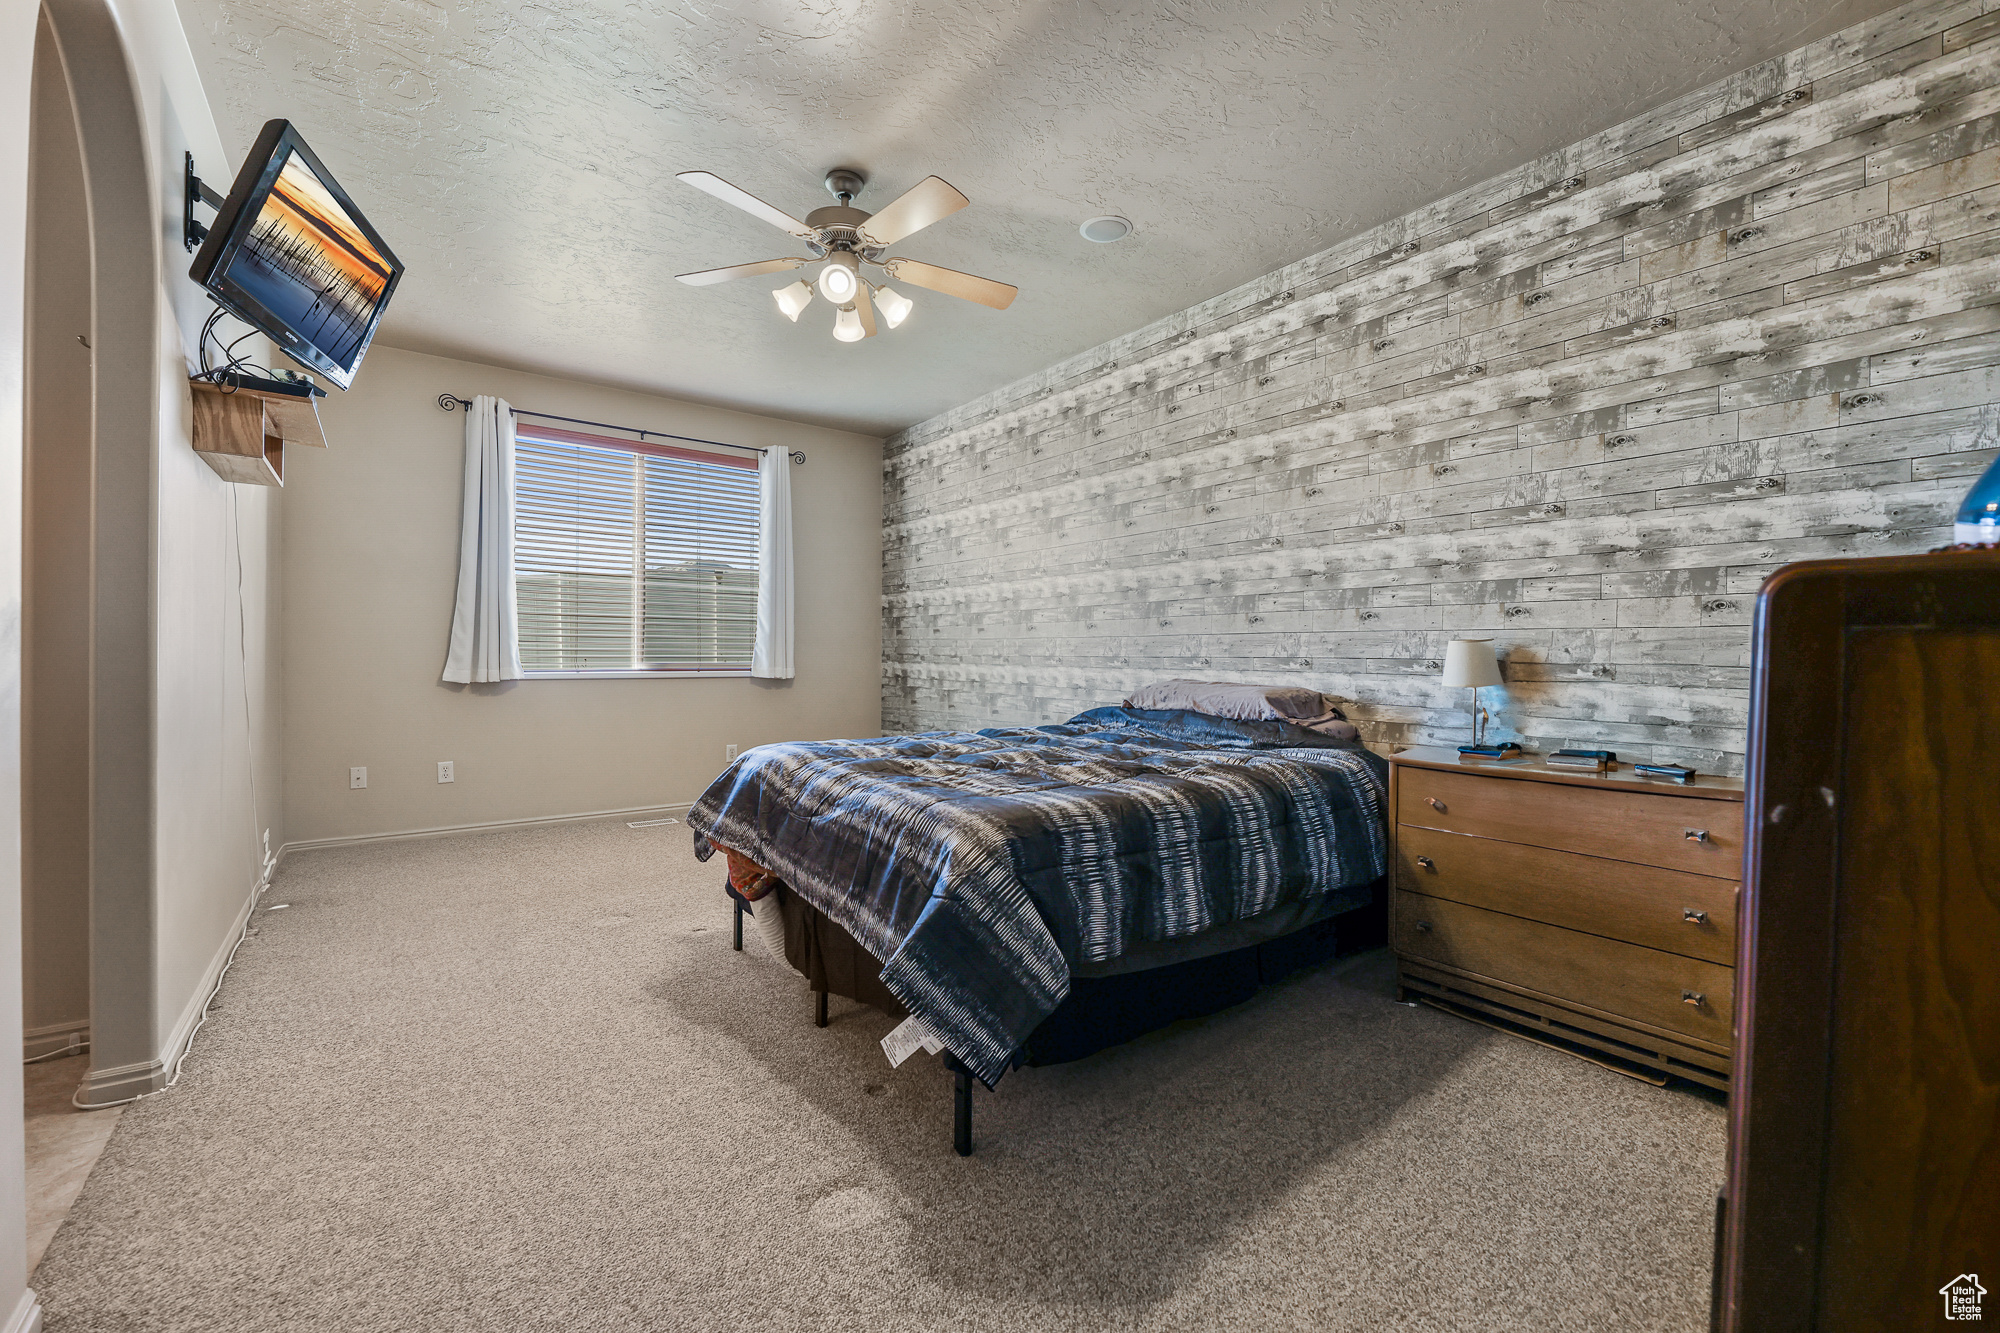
x=306 y=262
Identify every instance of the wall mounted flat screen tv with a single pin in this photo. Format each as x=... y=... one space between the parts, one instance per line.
x=290 y=255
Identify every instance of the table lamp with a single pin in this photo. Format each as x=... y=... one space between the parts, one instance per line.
x=1470 y=662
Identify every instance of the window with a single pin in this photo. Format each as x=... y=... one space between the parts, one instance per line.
x=631 y=556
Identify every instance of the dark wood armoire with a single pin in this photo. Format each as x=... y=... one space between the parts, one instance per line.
x=1864 y=1155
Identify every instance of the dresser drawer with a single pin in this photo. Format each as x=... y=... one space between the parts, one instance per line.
x=1649 y=828
x=1661 y=909
x=1642 y=985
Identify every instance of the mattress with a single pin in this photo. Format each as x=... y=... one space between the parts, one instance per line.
x=1275 y=924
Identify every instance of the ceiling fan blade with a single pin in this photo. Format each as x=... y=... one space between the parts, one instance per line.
x=710 y=183
x=929 y=200
x=709 y=276
x=866 y=309
x=952 y=283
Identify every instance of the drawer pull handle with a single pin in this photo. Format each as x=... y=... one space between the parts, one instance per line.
x=1434 y=803
x=1424 y=927
x=1695 y=998
x=1694 y=917
x=1427 y=864
x=1695 y=834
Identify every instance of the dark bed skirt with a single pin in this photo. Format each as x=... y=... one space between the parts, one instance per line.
x=1101 y=1012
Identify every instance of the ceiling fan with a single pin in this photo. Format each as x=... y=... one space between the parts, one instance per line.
x=846 y=238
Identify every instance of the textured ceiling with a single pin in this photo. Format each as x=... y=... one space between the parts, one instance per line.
x=519 y=156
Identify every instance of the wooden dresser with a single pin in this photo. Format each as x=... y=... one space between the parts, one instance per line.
x=1594 y=911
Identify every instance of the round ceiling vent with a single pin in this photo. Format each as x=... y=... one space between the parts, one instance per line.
x=1106 y=229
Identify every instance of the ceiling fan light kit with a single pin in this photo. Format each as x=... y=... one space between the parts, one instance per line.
x=846 y=238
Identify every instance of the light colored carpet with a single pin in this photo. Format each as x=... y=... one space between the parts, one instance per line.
x=520 y=1081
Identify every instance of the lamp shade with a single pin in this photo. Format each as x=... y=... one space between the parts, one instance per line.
x=793 y=299
x=895 y=306
x=1470 y=662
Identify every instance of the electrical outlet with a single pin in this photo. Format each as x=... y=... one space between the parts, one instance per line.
x=444 y=771
x=357 y=778
x=728 y=752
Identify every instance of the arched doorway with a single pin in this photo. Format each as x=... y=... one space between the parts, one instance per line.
x=55 y=575
x=88 y=705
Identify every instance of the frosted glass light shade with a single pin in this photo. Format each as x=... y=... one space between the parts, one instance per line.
x=840 y=279
x=847 y=325
x=794 y=299
x=1470 y=662
x=893 y=305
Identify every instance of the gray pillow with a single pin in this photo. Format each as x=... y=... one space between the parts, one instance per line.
x=1248 y=703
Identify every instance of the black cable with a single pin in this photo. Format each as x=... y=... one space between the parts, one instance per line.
x=201 y=343
x=236 y=364
x=233 y=363
x=230 y=351
x=209 y=371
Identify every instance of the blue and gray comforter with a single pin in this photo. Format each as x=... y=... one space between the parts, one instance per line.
x=980 y=865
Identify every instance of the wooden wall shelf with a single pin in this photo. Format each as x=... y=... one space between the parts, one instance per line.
x=242 y=433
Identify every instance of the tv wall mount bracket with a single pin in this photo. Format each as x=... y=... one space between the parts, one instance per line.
x=194 y=233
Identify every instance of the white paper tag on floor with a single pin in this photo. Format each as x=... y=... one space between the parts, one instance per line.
x=907 y=1038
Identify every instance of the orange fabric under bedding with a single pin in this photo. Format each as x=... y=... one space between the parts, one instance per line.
x=746 y=876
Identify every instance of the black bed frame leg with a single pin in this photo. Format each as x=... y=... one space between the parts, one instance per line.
x=819 y=1017
x=737 y=903
x=961 y=1106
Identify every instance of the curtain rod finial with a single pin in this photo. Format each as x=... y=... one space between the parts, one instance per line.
x=450 y=401
x=799 y=457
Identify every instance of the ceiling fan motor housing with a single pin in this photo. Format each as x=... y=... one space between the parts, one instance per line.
x=839 y=229
x=836 y=217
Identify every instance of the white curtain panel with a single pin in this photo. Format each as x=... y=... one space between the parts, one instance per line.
x=485 y=642
x=772 y=655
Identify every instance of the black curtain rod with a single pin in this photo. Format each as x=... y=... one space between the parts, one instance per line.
x=452 y=402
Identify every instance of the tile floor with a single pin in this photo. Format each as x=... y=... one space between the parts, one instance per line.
x=63 y=1144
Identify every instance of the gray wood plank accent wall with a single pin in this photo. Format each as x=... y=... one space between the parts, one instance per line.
x=1584 y=408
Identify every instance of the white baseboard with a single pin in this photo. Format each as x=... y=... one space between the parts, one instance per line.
x=55 y=1037
x=109 y=1087
x=27 y=1316
x=211 y=977
x=120 y=1084
x=444 y=831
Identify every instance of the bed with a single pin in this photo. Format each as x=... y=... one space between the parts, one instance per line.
x=1029 y=894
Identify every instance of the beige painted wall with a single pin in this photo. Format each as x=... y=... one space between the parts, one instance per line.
x=55 y=680
x=370 y=571
x=218 y=764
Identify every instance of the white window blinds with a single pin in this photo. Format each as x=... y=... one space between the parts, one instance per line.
x=633 y=557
